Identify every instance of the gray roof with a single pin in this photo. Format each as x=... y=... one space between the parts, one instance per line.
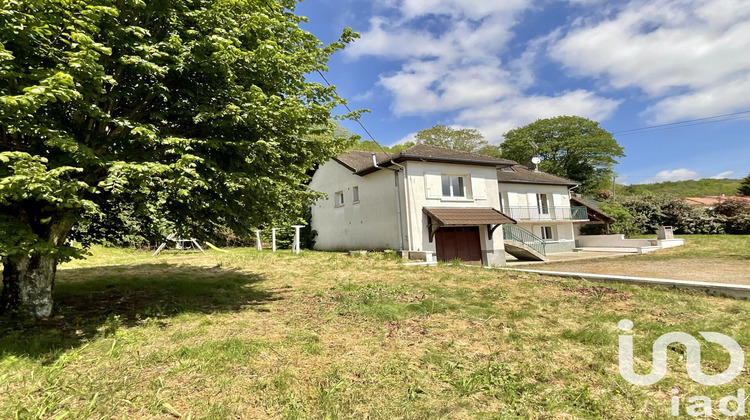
x=524 y=175
x=357 y=160
x=361 y=162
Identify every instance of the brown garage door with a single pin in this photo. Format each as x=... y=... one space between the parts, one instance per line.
x=458 y=243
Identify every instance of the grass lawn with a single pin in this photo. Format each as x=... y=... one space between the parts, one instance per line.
x=710 y=258
x=249 y=334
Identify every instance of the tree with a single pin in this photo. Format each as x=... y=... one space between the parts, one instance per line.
x=744 y=188
x=465 y=139
x=187 y=116
x=571 y=147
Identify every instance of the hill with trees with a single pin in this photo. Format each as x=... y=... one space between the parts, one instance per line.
x=691 y=188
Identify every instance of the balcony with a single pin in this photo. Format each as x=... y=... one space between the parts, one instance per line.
x=552 y=213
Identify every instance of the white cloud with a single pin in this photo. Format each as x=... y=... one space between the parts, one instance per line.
x=696 y=51
x=411 y=137
x=673 y=175
x=723 y=175
x=498 y=118
x=450 y=52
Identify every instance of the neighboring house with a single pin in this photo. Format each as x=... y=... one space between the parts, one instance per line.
x=429 y=200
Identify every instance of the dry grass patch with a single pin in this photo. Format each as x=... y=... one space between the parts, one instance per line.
x=259 y=335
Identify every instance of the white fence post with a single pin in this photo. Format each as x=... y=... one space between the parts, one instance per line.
x=295 y=249
x=258 y=245
x=273 y=238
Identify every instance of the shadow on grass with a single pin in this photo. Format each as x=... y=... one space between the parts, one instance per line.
x=91 y=301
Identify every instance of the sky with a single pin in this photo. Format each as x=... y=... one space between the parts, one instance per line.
x=495 y=65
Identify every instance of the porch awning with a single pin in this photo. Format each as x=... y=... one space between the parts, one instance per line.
x=439 y=217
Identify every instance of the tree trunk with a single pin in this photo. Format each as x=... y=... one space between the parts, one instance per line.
x=28 y=283
x=27 y=286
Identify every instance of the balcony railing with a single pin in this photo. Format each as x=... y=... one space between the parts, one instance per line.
x=552 y=213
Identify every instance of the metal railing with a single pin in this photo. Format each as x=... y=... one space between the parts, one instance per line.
x=551 y=213
x=525 y=237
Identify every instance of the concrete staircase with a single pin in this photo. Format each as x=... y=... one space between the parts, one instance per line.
x=523 y=244
x=522 y=251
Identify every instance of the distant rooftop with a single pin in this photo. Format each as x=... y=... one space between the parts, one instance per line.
x=713 y=200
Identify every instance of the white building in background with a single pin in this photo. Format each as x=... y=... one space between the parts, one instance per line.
x=430 y=200
x=540 y=203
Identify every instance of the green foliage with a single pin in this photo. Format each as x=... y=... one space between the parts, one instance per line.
x=152 y=117
x=744 y=188
x=690 y=188
x=624 y=220
x=735 y=214
x=373 y=146
x=638 y=214
x=465 y=139
x=572 y=147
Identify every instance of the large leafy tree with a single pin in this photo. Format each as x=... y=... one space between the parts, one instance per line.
x=465 y=139
x=185 y=115
x=572 y=147
x=744 y=188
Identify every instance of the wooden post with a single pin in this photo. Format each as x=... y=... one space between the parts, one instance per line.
x=258 y=245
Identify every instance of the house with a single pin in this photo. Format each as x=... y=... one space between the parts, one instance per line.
x=432 y=201
x=541 y=204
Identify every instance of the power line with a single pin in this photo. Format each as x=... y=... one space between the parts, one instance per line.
x=680 y=124
x=357 y=120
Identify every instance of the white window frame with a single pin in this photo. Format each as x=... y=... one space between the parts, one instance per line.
x=548 y=237
x=451 y=192
x=355 y=195
x=338 y=199
x=543 y=205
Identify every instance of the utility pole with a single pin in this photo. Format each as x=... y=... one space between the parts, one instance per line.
x=614 y=186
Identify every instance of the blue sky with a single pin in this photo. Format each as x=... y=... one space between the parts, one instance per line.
x=497 y=65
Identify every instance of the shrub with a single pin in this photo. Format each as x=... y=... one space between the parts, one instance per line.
x=735 y=214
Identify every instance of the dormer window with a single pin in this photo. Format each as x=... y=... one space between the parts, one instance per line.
x=507 y=169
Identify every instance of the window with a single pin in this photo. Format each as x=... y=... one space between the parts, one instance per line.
x=547 y=233
x=542 y=203
x=507 y=169
x=338 y=199
x=355 y=194
x=453 y=186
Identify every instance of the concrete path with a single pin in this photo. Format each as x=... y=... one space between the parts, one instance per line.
x=717 y=289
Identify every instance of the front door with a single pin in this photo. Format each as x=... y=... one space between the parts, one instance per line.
x=459 y=243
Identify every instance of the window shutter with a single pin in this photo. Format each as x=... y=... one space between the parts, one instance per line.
x=478 y=187
x=432 y=186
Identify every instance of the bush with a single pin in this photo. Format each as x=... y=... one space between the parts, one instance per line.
x=646 y=212
x=624 y=220
x=735 y=214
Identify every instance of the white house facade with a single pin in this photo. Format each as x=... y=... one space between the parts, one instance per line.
x=430 y=201
x=540 y=203
x=427 y=201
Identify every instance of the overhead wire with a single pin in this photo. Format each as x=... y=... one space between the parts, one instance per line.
x=686 y=123
x=357 y=120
